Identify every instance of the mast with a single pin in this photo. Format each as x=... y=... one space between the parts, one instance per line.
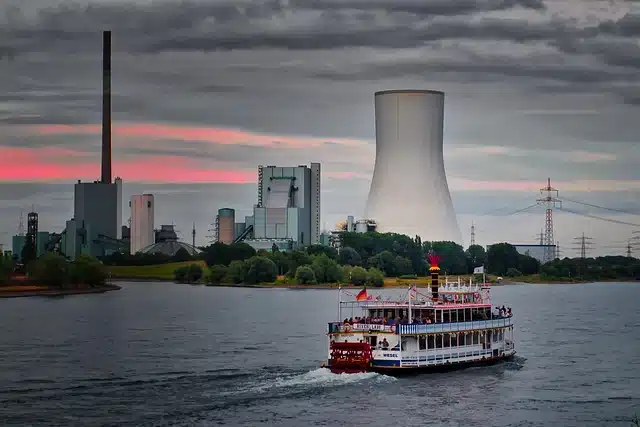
x=339 y=303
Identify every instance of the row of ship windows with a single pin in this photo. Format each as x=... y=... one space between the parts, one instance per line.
x=449 y=340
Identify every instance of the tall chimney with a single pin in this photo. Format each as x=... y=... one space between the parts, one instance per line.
x=106 y=107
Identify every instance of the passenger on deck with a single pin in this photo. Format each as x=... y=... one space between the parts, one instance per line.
x=385 y=344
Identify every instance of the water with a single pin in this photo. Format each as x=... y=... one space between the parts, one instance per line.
x=165 y=354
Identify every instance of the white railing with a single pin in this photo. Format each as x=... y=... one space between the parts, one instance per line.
x=454 y=327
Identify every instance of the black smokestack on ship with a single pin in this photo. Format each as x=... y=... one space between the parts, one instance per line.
x=435 y=273
x=106 y=107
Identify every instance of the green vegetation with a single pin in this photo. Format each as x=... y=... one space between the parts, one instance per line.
x=54 y=271
x=150 y=272
x=364 y=259
x=191 y=273
x=591 y=269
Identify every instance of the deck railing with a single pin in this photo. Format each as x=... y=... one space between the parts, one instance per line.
x=336 y=327
x=454 y=327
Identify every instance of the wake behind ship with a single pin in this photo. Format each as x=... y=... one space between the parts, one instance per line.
x=453 y=327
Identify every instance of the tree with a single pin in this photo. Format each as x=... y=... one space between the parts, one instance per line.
x=236 y=272
x=296 y=259
x=88 y=271
x=260 y=270
x=217 y=273
x=219 y=253
x=501 y=257
x=325 y=269
x=375 y=277
x=476 y=256
x=28 y=253
x=194 y=273
x=51 y=270
x=349 y=256
x=305 y=275
x=513 y=272
x=321 y=249
x=358 y=276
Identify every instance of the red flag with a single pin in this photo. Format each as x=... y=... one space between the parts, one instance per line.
x=362 y=295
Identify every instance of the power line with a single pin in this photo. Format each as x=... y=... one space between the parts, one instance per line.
x=615 y=221
x=521 y=210
x=600 y=207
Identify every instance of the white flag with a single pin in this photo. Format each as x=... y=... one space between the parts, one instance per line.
x=478 y=270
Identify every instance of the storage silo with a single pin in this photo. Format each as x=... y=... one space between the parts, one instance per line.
x=142 y=222
x=226 y=225
x=409 y=192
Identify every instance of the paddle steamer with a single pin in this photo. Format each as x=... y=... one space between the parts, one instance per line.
x=455 y=326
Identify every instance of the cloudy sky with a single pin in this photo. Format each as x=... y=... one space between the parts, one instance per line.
x=204 y=91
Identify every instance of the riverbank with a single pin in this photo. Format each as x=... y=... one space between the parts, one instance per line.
x=163 y=272
x=44 y=291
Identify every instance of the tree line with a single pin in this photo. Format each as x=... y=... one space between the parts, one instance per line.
x=56 y=271
x=365 y=258
x=592 y=269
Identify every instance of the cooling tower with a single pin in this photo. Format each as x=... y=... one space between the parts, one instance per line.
x=409 y=192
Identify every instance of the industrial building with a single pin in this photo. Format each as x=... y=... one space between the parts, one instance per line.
x=142 y=221
x=409 y=192
x=96 y=227
x=166 y=243
x=287 y=213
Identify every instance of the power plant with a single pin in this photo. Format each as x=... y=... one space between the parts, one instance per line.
x=286 y=215
x=409 y=192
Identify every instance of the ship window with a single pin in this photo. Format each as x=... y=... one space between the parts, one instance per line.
x=476 y=338
x=422 y=342
x=454 y=341
x=438 y=341
x=430 y=341
x=446 y=342
x=468 y=339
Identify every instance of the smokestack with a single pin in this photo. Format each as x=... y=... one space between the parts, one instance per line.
x=106 y=107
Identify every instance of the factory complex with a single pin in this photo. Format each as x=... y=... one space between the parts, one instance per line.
x=287 y=212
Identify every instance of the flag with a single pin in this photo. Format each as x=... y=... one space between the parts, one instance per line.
x=412 y=289
x=479 y=270
x=362 y=295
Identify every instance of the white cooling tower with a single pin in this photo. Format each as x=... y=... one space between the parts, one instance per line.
x=409 y=192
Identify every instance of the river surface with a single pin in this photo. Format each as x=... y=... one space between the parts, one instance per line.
x=162 y=354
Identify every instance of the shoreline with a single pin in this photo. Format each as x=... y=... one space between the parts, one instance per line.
x=58 y=292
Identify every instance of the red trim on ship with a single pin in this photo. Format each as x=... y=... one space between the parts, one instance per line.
x=350 y=357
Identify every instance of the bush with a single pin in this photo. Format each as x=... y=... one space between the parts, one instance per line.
x=358 y=276
x=51 y=270
x=375 y=277
x=188 y=274
x=194 y=273
x=408 y=276
x=513 y=272
x=236 y=272
x=305 y=275
x=88 y=271
x=217 y=273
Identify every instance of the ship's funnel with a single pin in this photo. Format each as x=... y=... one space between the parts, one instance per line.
x=435 y=273
x=106 y=107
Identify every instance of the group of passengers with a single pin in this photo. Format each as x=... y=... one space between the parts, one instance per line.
x=402 y=320
x=504 y=311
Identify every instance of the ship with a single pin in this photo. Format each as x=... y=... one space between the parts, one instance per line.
x=454 y=326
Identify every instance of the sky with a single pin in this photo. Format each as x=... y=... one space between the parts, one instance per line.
x=205 y=91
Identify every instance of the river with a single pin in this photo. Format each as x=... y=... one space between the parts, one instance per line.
x=163 y=354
